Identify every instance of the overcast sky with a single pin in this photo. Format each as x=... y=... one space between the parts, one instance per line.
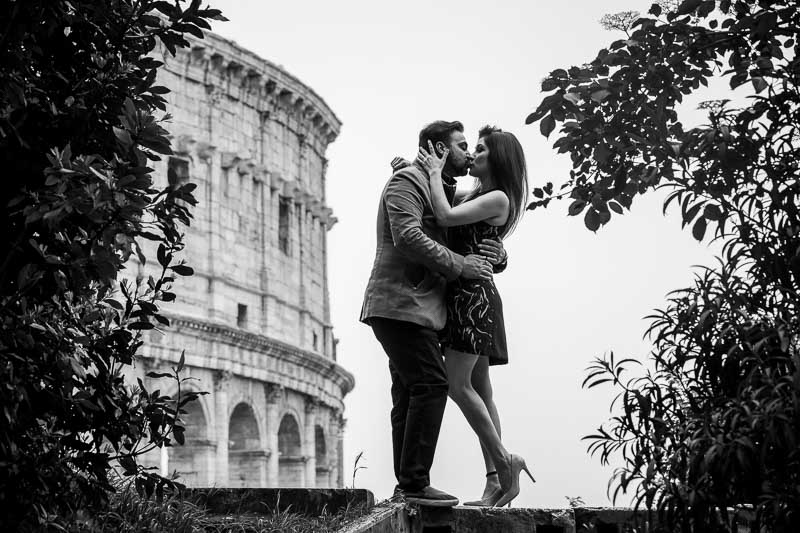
x=386 y=69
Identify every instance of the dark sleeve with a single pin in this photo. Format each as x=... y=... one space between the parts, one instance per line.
x=404 y=205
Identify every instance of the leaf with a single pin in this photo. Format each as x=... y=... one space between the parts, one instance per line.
x=161 y=255
x=114 y=303
x=602 y=154
x=576 y=207
x=123 y=136
x=536 y=115
x=759 y=83
x=699 y=229
x=183 y=270
x=177 y=431
x=599 y=96
x=706 y=8
x=712 y=212
x=688 y=6
x=547 y=125
x=689 y=215
x=592 y=219
x=167 y=296
x=128 y=465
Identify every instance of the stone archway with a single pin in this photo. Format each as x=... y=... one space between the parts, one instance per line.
x=192 y=460
x=245 y=452
x=291 y=463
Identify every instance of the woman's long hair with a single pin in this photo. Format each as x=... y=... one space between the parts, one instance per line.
x=509 y=172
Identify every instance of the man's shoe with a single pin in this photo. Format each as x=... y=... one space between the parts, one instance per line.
x=430 y=497
x=398 y=494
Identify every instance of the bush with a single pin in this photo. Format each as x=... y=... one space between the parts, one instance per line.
x=712 y=424
x=78 y=127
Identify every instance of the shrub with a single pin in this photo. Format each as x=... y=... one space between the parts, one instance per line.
x=78 y=128
x=712 y=424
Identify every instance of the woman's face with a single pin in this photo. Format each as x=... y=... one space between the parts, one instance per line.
x=480 y=161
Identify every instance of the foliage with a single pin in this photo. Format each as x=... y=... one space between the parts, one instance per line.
x=357 y=466
x=713 y=420
x=77 y=132
x=129 y=512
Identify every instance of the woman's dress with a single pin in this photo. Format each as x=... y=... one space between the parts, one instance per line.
x=474 y=308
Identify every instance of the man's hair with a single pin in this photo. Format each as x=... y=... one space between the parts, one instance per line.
x=439 y=131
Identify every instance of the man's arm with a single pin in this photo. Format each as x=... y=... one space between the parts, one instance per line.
x=404 y=206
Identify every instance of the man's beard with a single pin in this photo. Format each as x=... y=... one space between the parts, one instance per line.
x=457 y=172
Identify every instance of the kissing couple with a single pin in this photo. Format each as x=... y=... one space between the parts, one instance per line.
x=432 y=303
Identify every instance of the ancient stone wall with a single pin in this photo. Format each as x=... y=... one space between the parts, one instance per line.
x=254 y=320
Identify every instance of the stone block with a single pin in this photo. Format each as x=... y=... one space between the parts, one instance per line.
x=386 y=517
x=611 y=520
x=481 y=519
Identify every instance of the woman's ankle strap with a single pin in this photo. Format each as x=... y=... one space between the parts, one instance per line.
x=492 y=473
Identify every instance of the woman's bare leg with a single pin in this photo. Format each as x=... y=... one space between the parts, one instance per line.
x=459 y=373
x=483 y=386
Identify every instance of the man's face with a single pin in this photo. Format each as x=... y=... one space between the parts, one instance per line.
x=459 y=160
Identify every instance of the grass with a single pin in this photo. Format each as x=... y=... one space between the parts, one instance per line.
x=129 y=512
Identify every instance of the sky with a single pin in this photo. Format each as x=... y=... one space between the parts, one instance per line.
x=569 y=295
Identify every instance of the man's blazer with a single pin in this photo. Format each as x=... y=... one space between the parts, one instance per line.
x=412 y=264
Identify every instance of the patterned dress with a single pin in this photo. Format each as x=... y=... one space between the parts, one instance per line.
x=474 y=309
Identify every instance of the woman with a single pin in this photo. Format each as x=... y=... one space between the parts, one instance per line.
x=474 y=337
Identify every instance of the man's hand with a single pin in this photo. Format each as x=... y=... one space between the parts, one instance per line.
x=493 y=250
x=476 y=267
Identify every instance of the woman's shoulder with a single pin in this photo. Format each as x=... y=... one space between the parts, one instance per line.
x=494 y=195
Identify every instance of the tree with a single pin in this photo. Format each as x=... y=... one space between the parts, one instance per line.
x=712 y=421
x=78 y=127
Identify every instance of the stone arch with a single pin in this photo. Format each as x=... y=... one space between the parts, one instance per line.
x=321 y=455
x=245 y=452
x=192 y=460
x=291 y=463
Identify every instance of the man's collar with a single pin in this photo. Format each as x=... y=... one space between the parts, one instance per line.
x=448 y=180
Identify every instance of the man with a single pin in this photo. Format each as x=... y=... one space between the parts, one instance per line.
x=404 y=305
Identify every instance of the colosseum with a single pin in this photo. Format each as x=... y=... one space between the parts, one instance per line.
x=254 y=320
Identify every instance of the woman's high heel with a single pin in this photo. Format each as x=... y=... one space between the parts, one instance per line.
x=517 y=466
x=488 y=501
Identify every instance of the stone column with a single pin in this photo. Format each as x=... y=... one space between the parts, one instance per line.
x=326 y=223
x=338 y=423
x=274 y=394
x=309 y=442
x=215 y=248
x=264 y=196
x=299 y=216
x=222 y=382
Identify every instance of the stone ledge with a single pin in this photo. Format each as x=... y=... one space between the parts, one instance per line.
x=388 y=516
x=484 y=519
x=310 y=502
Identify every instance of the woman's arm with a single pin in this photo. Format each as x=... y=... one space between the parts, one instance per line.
x=492 y=205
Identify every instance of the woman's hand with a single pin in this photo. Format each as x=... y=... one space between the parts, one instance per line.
x=399 y=162
x=430 y=161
